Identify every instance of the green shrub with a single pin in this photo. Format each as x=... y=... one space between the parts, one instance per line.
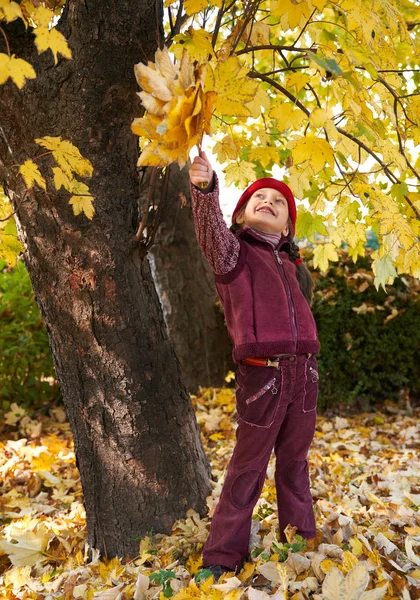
x=370 y=340
x=27 y=374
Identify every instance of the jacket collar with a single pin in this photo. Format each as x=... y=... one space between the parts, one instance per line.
x=247 y=234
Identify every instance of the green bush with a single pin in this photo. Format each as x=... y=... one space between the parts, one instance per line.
x=27 y=374
x=370 y=340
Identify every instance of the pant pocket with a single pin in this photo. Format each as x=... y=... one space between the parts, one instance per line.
x=258 y=392
x=310 y=391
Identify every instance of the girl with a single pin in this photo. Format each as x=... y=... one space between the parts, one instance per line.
x=266 y=293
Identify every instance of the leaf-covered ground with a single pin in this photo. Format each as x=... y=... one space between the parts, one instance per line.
x=366 y=488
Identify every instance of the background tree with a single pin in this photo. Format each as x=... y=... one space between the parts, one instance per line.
x=185 y=284
x=136 y=439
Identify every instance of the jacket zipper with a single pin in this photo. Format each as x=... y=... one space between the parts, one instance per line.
x=289 y=295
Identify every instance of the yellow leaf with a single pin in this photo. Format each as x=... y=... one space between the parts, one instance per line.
x=10 y=246
x=296 y=81
x=67 y=156
x=28 y=549
x=292 y=12
x=234 y=89
x=287 y=116
x=194 y=563
x=196 y=41
x=43 y=462
x=324 y=253
x=194 y=6
x=14 y=415
x=31 y=174
x=239 y=173
x=16 y=68
x=319 y=117
x=412 y=260
x=385 y=272
x=256 y=33
x=349 y=560
x=260 y=100
x=11 y=11
x=356 y=546
x=51 y=39
x=225 y=149
x=42 y=16
x=61 y=179
x=83 y=204
x=17 y=577
x=264 y=155
x=247 y=570
x=316 y=151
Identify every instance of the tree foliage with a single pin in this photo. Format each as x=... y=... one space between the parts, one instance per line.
x=325 y=89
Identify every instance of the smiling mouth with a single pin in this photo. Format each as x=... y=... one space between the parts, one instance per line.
x=266 y=209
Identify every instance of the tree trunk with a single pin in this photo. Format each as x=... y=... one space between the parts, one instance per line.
x=185 y=283
x=137 y=443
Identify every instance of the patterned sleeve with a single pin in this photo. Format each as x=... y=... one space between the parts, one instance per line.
x=218 y=244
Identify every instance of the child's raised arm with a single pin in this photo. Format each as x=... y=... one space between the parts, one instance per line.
x=217 y=242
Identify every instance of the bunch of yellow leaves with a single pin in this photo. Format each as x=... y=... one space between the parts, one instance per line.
x=178 y=109
x=180 y=99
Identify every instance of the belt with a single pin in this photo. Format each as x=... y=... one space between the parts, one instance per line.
x=273 y=361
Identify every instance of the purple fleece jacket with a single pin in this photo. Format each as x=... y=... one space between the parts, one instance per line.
x=266 y=313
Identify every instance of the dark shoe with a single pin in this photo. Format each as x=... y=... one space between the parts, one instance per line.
x=218 y=571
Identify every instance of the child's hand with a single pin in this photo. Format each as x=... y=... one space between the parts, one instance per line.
x=201 y=172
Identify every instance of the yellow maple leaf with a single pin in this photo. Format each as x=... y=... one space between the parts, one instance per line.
x=28 y=548
x=319 y=117
x=31 y=174
x=14 y=415
x=194 y=563
x=256 y=33
x=41 y=16
x=61 y=179
x=356 y=546
x=296 y=81
x=196 y=41
x=225 y=148
x=51 y=39
x=239 y=173
x=10 y=11
x=234 y=89
x=67 y=156
x=349 y=560
x=194 y=6
x=292 y=12
x=316 y=151
x=264 y=155
x=84 y=204
x=260 y=100
x=43 y=462
x=287 y=116
x=324 y=253
x=385 y=272
x=412 y=261
x=18 y=69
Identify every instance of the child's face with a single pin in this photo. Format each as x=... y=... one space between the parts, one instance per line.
x=267 y=209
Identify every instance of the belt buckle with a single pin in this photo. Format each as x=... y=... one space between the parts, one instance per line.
x=272 y=363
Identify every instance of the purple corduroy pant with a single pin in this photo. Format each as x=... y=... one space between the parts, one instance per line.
x=276 y=410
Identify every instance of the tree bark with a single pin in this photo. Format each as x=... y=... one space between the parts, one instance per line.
x=185 y=284
x=137 y=444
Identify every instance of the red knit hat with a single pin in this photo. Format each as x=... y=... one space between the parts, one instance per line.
x=270 y=182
